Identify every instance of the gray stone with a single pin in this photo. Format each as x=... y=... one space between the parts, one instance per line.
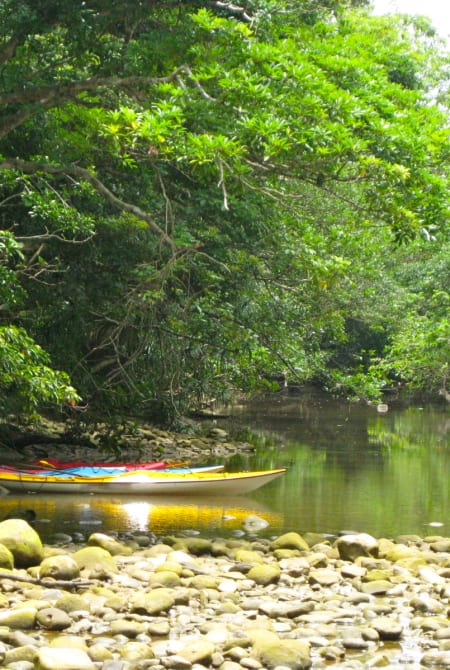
x=377 y=587
x=441 y=545
x=350 y=547
x=434 y=658
x=426 y=604
x=153 y=602
x=387 y=628
x=290 y=609
x=176 y=662
x=52 y=618
x=324 y=577
x=126 y=627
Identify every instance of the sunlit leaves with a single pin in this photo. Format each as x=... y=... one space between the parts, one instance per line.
x=26 y=378
x=278 y=154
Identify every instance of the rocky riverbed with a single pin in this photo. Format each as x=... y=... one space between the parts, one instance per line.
x=129 y=442
x=247 y=603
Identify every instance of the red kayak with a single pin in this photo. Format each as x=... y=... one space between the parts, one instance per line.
x=63 y=465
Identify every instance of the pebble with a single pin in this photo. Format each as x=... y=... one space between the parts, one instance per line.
x=190 y=603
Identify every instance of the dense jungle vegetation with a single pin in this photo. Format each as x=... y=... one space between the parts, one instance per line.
x=196 y=196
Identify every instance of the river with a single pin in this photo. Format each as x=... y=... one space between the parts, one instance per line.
x=348 y=468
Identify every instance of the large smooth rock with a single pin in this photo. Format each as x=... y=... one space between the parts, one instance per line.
x=22 y=618
x=59 y=567
x=22 y=541
x=52 y=618
x=135 y=652
x=71 y=602
x=95 y=560
x=153 y=602
x=265 y=574
x=6 y=558
x=55 y=658
x=293 y=654
x=165 y=578
x=350 y=547
x=110 y=544
x=290 y=540
x=387 y=628
x=198 y=651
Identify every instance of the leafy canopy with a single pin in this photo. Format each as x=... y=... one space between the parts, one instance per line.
x=184 y=184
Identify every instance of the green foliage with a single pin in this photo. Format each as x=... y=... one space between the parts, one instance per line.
x=195 y=199
x=26 y=379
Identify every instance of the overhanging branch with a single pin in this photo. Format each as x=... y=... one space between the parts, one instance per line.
x=38 y=98
x=33 y=167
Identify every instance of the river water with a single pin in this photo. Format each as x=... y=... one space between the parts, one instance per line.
x=348 y=468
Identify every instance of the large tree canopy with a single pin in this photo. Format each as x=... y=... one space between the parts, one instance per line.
x=192 y=192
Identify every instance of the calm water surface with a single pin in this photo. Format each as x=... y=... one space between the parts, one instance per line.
x=349 y=468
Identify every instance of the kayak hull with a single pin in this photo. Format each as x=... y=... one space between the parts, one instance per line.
x=144 y=483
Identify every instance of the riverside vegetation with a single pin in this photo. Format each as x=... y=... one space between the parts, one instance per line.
x=136 y=602
x=198 y=196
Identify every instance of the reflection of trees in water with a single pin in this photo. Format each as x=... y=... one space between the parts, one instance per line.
x=301 y=433
x=411 y=429
x=349 y=467
x=283 y=427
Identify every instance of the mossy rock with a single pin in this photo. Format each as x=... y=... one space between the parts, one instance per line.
x=22 y=541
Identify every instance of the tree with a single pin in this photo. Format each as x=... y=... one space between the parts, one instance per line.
x=169 y=170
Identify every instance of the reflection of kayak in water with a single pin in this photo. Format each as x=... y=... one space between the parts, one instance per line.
x=72 y=513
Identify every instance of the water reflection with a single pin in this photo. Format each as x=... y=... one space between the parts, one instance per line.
x=349 y=467
x=124 y=514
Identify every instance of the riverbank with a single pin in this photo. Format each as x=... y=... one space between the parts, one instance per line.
x=248 y=603
x=129 y=441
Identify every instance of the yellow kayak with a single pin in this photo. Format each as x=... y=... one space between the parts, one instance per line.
x=144 y=482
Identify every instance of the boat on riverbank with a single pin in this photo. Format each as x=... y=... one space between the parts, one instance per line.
x=143 y=482
x=57 y=464
x=101 y=471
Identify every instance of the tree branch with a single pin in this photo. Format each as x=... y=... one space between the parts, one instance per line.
x=234 y=10
x=62 y=583
x=9 y=49
x=31 y=167
x=45 y=97
x=64 y=90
